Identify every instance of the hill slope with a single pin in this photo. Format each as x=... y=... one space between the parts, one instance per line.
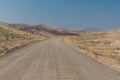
x=45 y=30
x=11 y=38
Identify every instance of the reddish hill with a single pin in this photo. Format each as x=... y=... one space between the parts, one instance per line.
x=45 y=30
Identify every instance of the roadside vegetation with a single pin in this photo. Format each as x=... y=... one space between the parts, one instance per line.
x=104 y=46
x=11 y=39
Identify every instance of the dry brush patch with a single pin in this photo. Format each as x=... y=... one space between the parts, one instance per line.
x=11 y=39
x=102 y=45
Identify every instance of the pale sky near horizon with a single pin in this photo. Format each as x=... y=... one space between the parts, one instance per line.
x=82 y=14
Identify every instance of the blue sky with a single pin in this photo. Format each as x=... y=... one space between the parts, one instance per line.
x=82 y=14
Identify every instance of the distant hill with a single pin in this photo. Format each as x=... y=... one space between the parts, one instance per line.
x=42 y=29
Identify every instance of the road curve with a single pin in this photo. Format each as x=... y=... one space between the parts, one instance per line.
x=52 y=60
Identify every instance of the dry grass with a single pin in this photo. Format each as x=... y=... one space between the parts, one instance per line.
x=12 y=39
x=102 y=44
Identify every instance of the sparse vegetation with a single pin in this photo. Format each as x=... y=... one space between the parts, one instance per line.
x=101 y=44
x=12 y=39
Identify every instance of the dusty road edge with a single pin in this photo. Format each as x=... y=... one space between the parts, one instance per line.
x=15 y=49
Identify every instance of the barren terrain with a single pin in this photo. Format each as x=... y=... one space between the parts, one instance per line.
x=103 y=46
x=52 y=60
x=11 y=39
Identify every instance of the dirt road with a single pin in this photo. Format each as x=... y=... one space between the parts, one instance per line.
x=52 y=60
